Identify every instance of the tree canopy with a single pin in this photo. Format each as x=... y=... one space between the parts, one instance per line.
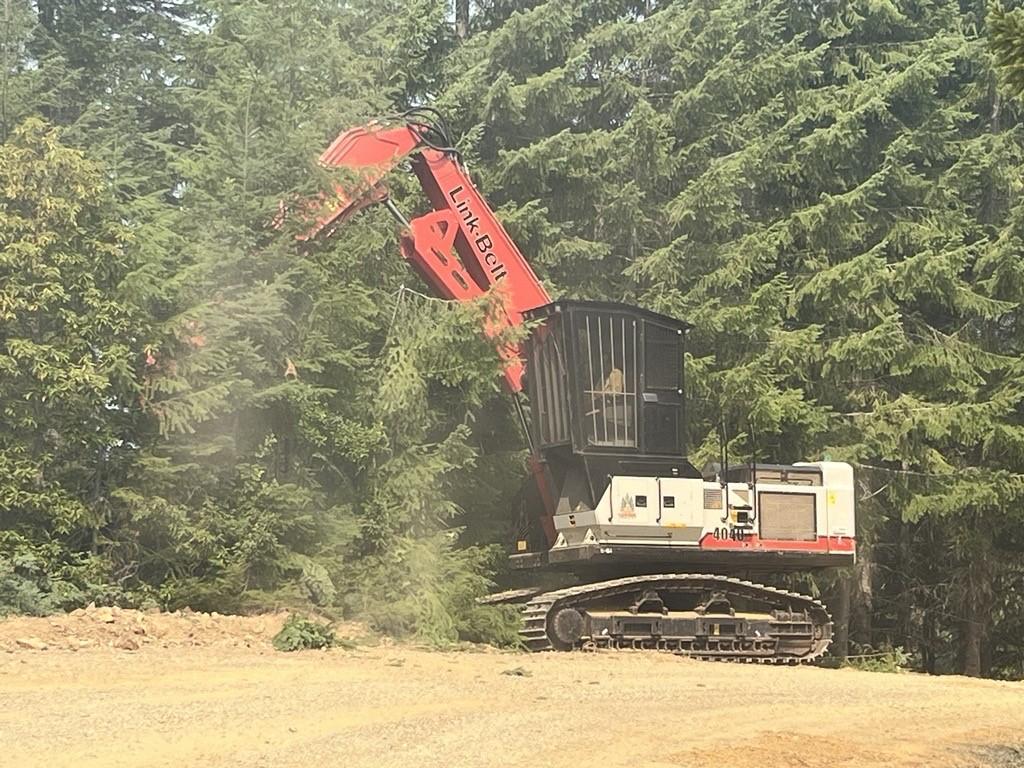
x=198 y=411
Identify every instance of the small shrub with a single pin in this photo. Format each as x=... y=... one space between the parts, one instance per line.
x=303 y=634
x=885 y=659
x=21 y=595
x=27 y=588
x=427 y=590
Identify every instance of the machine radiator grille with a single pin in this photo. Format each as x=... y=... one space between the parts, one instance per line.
x=787 y=516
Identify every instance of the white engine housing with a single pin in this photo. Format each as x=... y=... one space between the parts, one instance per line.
x=807 y=515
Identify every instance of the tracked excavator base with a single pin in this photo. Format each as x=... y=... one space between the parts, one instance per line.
x=699 y=615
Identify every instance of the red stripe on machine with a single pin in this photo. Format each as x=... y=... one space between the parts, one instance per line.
x=753 y=541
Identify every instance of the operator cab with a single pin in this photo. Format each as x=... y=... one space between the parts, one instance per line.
x=606 y=379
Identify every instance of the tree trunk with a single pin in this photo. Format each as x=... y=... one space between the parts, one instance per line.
x=841 y=618
x=47 y=14
x=905 y=607
x=977 y=597
x=862 y=599
x=972 y=645
x=928 y=640
x=462 y=19
x=986 y=653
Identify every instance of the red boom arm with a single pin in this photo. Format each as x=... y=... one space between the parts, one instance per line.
x=461 y=219
x=486 y=256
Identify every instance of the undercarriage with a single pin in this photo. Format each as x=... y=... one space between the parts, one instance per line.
x=699 y=615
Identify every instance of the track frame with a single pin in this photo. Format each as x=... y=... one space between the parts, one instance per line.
x=795 y=628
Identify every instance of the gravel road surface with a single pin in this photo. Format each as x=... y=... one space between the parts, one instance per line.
x=399 y=706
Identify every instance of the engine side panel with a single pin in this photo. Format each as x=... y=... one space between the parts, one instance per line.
x=776 y=524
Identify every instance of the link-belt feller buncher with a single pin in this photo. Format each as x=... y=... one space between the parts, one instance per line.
x=654 y=547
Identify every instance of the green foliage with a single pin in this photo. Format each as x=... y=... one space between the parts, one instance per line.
x=887 y=659
x=24 y=589
x=426 y=589
x=41 y=578
x=1006 y=38
x=301 y=634
x=306 y=428
x=67 y=367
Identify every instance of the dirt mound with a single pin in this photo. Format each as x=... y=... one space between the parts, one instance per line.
x=130 y=630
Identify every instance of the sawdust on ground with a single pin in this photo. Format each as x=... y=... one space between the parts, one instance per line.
x=211 y=692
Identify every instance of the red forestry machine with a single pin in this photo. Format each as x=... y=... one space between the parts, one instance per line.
x=653 y=549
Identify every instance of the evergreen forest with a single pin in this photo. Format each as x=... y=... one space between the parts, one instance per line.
x=198 y=411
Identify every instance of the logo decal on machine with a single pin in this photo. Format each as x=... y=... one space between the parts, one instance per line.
x=626 y=508
x=482 y=241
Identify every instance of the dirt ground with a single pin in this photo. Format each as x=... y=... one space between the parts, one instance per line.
x=209 y=691
x=130 y=630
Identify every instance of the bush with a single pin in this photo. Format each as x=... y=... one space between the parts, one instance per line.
x=885 y=659
x=27 y=588
x=299 y=634
x=21 y=595
x=426 y=589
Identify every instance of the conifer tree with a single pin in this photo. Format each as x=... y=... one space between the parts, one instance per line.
x=278 y=371
x=1006 y=29
x=224 y=502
